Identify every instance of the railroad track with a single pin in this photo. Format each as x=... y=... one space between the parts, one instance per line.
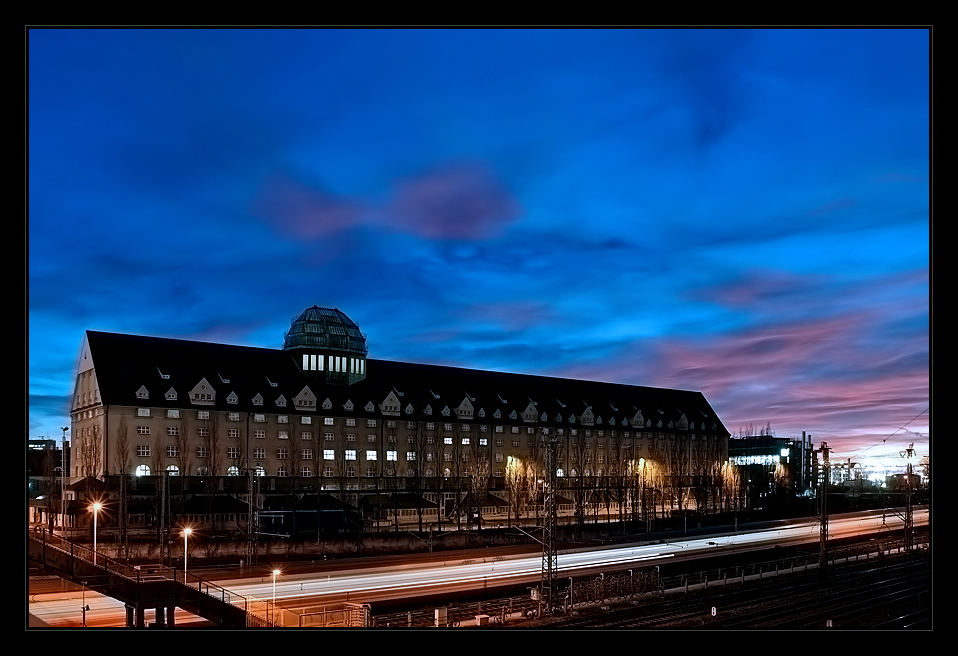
x=894 y=593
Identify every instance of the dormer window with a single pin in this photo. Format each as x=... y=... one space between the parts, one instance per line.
x=203 y=393
x=142 y=393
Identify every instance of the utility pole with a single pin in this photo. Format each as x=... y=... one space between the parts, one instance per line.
x=908 y=454
x=823 y=492
x=252 y=520
x=550 y=558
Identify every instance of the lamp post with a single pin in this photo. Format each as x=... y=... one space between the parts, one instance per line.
x=273 y=608
x=63 y=483
x=95 y=508
x=186 y=550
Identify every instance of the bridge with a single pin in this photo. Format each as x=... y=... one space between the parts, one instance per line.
x=146 y=586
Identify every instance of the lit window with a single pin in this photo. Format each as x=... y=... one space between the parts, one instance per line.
x=328 y=454
x=350 y=454
x=392 y=456
x=371 y=455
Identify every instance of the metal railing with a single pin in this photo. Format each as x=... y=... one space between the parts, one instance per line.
x=135 y=585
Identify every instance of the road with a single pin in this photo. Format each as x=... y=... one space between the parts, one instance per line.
x=444 y=575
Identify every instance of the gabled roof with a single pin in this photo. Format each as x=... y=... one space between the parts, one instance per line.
x=126 y=364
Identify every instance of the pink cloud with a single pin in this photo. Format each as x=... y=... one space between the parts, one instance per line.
x=460 y=201
x=818 y=376
x=463 y=201
x=304 y=211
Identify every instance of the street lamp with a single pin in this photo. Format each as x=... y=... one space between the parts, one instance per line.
x=186 y=550
x=275 y=573
x=63 y=480
x=95 y=508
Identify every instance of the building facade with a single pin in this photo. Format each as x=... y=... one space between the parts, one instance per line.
x=320 y=410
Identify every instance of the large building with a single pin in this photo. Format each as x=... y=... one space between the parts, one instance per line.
x=319 y=409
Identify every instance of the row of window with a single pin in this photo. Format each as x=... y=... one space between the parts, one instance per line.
x=373 y=423
x=259 y=453
x=282 y=471
x=174 y=413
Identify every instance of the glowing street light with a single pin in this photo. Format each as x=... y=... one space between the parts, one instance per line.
x=275 y=573
x=95 y=509
x=186 y=550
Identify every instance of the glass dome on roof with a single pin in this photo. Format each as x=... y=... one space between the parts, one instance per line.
x=326 y=329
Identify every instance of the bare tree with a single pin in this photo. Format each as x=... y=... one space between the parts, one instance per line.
x=479 y=476
x=577 y=462
x=91 y=450
x=123 y=462
x=515 y=484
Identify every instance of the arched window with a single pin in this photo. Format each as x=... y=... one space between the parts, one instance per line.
x=233 y=471
x=173 y=470
x=142 y=470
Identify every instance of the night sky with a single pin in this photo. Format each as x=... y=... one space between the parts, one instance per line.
x=740 y=212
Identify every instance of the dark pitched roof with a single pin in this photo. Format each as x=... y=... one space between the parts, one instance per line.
x=125 y=363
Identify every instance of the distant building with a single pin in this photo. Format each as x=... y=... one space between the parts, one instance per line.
x=321 y=410
x=765 y=457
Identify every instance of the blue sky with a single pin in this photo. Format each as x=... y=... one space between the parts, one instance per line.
x=740 y=212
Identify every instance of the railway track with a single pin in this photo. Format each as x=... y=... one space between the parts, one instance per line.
x=894 y=592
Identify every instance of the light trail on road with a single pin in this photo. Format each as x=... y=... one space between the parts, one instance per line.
x=408 y=581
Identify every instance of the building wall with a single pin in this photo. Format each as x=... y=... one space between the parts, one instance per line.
x=308 y=444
